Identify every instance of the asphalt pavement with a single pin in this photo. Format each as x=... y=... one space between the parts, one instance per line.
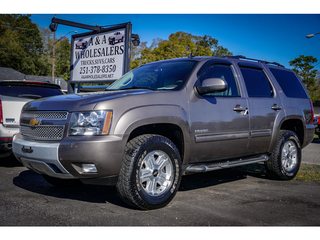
x=311 y=153
x=229 y=197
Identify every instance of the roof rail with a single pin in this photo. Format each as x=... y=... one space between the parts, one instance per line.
x=252 y=59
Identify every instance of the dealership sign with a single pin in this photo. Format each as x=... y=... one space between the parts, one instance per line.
x=100 y=57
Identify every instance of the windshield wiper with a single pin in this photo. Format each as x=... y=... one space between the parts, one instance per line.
x=136 y=87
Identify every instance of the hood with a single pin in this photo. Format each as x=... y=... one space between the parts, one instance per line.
x=80 y=101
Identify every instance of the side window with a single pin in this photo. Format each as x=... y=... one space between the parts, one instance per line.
x=289 y=83
x=224 y=72
x=257 y=83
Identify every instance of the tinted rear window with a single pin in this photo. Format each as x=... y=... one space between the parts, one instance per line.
x=28 y=91
x=289 y=83
x=256 y=82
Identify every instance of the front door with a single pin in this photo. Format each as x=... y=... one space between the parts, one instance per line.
x=219 y=121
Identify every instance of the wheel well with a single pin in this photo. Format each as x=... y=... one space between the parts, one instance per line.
x=296 y=126
x=170 y=131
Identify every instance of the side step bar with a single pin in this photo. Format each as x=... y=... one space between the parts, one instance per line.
x=202 y=167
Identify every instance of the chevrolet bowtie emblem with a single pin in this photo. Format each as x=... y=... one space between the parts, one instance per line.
x=34 y=122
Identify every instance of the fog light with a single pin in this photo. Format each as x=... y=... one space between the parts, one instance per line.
x=89 y=168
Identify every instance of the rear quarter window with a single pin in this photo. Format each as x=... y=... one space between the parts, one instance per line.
x=290 y=84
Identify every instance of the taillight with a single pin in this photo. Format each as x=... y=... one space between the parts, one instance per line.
x=1 y=115
x=312 y=111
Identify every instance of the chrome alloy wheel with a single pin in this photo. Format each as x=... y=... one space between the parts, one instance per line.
x=156 y=173
x=289 y=156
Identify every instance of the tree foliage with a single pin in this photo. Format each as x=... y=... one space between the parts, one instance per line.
x=315 y=92
x=20 y=44
x=28 y=48
x=62 y=59
x=179 y=44
x=62 y=54
x=303 y=66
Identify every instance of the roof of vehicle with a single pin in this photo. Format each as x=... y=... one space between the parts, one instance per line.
x=239 y=58
x=254 y=60
x=29 y=83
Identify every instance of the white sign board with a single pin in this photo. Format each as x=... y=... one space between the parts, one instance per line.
x=98 y=57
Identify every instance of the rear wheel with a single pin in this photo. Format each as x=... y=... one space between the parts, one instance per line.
x=286 y=157
x=150 y=173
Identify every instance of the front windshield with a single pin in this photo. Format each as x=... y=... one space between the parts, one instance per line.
x=170 y=75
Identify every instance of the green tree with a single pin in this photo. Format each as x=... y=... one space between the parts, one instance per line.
x=20 y=44
x=303 y=66
x=136 y=54
x=315 y=92
x=46 y=56
x=179 y=44
x=62 y=54
x=62 y=59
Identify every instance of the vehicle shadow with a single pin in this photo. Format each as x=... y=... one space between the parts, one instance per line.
x=203 y=180
x=9 y=162
x=33 y=182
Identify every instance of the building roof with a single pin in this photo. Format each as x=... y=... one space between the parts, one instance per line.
x=11 y=74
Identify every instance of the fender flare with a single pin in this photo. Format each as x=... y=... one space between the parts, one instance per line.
x=154 y=114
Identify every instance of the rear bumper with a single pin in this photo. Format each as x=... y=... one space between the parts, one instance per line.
x=309 y=135
x=6 y=134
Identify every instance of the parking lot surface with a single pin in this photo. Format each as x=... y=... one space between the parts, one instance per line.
x=230 y=197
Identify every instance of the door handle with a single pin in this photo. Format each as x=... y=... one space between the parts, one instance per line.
x=239 y=108
x=276 y=107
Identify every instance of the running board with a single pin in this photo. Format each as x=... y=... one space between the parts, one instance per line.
x=202 y=167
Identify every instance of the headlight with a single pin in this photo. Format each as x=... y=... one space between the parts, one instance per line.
x=90 y=123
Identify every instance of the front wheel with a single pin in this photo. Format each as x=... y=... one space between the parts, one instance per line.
x=150 y=173
x=285 y=160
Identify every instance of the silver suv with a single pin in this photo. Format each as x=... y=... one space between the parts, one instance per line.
x=13 y=95
x=166 y=119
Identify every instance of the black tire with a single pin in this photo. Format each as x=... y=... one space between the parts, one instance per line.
x=145 y=187
x=112 y=42
x=4 y=154
x=58 y=182
x=285 y=160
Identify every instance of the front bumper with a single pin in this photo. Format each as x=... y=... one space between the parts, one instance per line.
x=40 y=157
x=64 y=159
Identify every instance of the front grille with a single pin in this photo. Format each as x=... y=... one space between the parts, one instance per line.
x=52 y=115
x=43 y=125
x=43 y=132
x=45 y=115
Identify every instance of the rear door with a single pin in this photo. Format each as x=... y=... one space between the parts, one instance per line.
x=264 y=106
